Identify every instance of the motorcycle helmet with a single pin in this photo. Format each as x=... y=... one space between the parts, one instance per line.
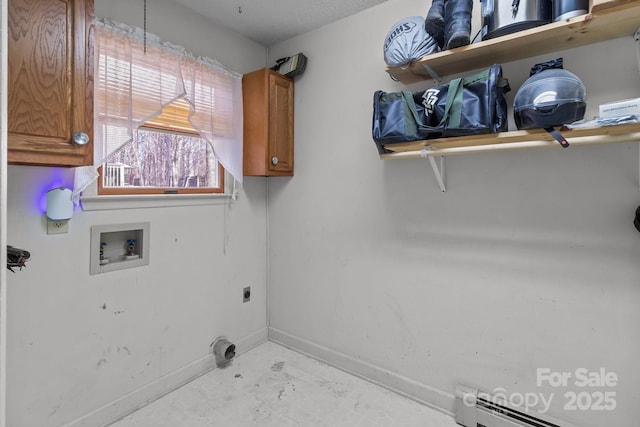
x=552 y=97
x=408 y=41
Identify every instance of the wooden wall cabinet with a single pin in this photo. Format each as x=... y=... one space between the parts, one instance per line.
x=50 y=93
x=268 y=123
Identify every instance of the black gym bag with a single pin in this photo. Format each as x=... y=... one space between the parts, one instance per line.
x=465 y=106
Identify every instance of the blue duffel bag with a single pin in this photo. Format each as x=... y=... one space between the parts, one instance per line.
x=465 y=106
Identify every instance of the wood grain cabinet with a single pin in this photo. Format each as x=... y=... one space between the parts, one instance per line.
x=50 y=93
x=268 y=123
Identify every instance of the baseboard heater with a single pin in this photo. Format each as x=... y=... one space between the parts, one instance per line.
x=477 y=409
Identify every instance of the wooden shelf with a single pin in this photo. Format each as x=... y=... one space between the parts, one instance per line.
x=512 y=140
x=608 y=20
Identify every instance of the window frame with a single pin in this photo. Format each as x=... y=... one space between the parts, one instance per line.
x=115 y=191
x=155 y=126
x=174 y=120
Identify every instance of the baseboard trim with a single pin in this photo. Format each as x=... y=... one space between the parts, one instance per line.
x=429 y=396
x=146 y=394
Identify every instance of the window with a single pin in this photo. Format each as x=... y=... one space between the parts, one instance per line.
x=165 y=120
x=159 y=161
x=165 y=156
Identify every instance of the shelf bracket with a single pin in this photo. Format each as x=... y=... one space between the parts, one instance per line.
x=438 y=172
x=436 y=77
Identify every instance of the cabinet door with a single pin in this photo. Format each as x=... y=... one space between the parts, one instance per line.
x=50 y=94
x=280 y=124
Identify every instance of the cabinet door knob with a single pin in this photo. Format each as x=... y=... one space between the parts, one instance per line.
x=274 y=160
x=80 y=138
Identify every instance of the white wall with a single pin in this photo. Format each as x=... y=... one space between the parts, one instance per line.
x=530 y=260
x=80 y=343
x=3 y=213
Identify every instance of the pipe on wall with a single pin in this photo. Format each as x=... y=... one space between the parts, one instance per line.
x=224 y=350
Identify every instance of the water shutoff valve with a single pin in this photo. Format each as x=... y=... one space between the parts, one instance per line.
x=131 y=250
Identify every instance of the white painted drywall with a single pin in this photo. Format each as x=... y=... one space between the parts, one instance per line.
x=80 y=343
x=530 y=260
x=180 y=25
x=3 y=213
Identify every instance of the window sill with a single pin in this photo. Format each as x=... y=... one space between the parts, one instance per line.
x=100 y=203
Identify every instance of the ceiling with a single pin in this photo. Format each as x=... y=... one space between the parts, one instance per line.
x=271 y=21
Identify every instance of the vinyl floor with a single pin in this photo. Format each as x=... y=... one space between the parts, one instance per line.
x=273 y=386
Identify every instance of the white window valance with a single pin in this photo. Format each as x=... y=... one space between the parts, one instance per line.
x=137 y=75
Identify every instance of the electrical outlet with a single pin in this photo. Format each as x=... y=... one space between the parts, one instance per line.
x=246 y=294
x=57 y=227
